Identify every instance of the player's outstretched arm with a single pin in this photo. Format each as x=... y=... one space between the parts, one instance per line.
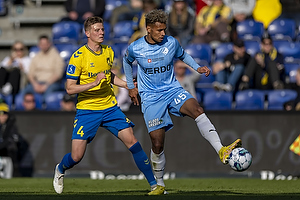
x=73 y=88
x=187 y=59
x=204 y=70
x=117 y=81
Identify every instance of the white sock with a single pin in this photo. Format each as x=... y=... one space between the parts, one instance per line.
x=158 y=163
x=208 y=131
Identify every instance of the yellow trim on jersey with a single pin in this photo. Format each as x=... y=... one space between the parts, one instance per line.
x=84 y=65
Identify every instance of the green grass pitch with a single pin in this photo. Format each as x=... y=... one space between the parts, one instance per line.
x=197 y=188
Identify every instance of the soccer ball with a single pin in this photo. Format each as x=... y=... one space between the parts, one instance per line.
x=240 y=159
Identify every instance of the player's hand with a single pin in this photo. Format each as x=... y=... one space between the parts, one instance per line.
x=135 y=84
x=133 y=93
x=99 y=77
x=204 y=70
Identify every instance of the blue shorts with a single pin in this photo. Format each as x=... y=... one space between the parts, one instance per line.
x=87 y=122
x=157 y=106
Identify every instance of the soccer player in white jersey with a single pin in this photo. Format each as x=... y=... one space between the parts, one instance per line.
x=97 y=105
x=162 y=94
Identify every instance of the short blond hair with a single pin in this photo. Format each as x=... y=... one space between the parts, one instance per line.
x=92 y=20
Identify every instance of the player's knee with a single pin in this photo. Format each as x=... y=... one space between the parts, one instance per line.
x=130 y=143
x=157 y=147
x=196 y=112
x=199 y=111
x=77 y=158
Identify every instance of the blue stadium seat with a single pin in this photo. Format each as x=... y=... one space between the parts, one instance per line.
x=252 y=47
x=206 y=81
x=277 y=98
x=216 y=100
x=282 y=29
x=83 y=38
x=107 y=29
x=199 y=96
x=66 y=51
x=204 y=84
x=33 y=50
x=7 y=99
x=19 y=101
x=202 y=53
x=66 y=32
x=119 y=49
x=223 y=50
x=110 y=5
x=3 y=8
x=298 y=33
x=52 y=101
x=249 y=100
x=290 y=51
x=122 y=31
x=250 y=30
x=291 y=71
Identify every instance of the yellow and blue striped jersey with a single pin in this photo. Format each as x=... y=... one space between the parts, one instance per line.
x=84 y=65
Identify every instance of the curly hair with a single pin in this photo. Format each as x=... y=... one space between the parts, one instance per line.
x=92 y=20
x=156 y=16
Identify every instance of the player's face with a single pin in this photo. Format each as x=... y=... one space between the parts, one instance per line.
x=96 y=33
x=156 y=32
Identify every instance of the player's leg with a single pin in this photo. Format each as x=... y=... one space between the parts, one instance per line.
x=185 y=104
x=85 y=128
x=73 y=158
x=68 y=161
x=139 y=156
x=157 y=155
x=192 y=109
x=118 y=124
x=158 y=121
x=141 y=159
x=207 y=129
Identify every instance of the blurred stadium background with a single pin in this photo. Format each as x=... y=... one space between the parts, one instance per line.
x=266 y=130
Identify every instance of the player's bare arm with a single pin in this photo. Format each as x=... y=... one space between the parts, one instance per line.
x=204 y=70
x=73 y=88
x=117 y=81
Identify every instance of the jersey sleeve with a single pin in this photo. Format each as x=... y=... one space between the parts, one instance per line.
x=127 y=65
x=179 y=50
x=186 y=58
x=74 y=67
x=112 y=54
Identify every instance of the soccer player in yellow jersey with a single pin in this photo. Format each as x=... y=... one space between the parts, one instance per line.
x=97 y=106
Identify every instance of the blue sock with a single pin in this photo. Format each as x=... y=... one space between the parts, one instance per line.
x=142 y=162
x=66 y=163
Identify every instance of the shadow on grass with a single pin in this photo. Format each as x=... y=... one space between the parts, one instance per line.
x=140 y=194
